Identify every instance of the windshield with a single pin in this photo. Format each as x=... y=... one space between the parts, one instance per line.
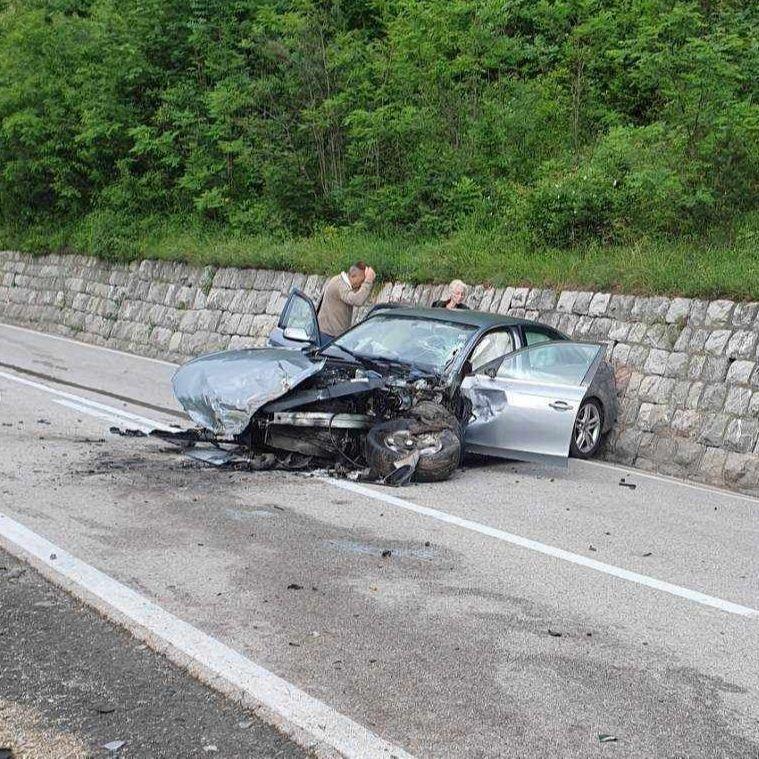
x=428 y=344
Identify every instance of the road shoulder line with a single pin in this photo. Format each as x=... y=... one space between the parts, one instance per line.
x=308 y=721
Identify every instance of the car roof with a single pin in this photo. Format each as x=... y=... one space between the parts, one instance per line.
x=479 y=319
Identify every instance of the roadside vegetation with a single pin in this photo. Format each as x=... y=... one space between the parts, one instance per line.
x=594 y=143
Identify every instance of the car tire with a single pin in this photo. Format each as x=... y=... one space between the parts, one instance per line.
x=384 y=449
x=587 y=432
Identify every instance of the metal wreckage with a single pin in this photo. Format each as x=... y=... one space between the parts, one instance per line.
x=279 y=408
x=400 y=396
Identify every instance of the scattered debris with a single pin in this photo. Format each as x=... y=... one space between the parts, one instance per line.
x=53 y=556
x=426 y=543
x=44 y=421
x=387 y=553
x=113 y=745
x=648 y=553
x=105 y=708
x=624 y=484
x=245 y=724
x=591 y=547
x=210 y=748
x=603 y=738
x=554 y=633
x=294 y=586
x=127 y=432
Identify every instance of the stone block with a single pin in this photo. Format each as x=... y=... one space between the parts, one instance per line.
x=737 y=400
x=742 y=471
x=599 y=304
x=519 y=298
x=566 y=301
x=715 y=369
x=713 y=429
x=741 y=434
x=656 y=389
x=505 y=302
x=582 y=302
x=719 y=313
x=626 y=446
x=688 y=454
x=678 y=311
x=653 y=417
x=742 y=344
x=694 y=395
x=713 y=398
x=717 y=341
x=618 y=331
x=677 y=365
x=696 y=367
x=745 y=315
x=656 y=362
x=637 y=332
x=686 y=422
x=620 y=306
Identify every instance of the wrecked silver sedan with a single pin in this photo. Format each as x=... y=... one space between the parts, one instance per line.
x=403 y=394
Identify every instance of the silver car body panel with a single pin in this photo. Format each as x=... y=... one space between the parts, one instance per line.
x=221 y=391
x=530 y=417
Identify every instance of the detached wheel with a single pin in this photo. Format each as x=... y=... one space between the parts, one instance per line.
x=586 y=435
x=389 y=443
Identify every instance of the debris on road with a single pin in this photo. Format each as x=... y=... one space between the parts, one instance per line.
x=127 y=432
x=647 y=553
x=105 y=708
x=113 y=746
x=387 y=553
x=603 y=738
x=591 y=547
x=554 y=633
x=294 y=586
x=623 y=483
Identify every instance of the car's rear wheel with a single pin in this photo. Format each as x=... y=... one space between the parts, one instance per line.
x=587 y=436
x=390 y=444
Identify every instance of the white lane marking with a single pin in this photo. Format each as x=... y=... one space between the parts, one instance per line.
x=333 y=732
x=62 y=339
x=118 y=420
x=78 y=399
x=558 y=553
x=633 y=472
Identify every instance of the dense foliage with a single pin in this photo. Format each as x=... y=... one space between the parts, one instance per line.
x=571 y=120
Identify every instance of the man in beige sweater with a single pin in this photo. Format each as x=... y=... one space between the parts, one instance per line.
x=341 y=294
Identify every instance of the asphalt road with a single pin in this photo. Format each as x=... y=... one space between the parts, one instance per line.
x=522 y=610
x=72 y=683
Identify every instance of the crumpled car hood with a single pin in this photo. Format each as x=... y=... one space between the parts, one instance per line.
x=221 y=391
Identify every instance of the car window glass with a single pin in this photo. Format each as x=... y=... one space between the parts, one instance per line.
x=534 y=336
x=557 y=362
x=426 y=343
x=492 y=346
x=299 y=314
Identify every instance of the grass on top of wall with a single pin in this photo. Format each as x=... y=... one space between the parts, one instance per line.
x=718 y=265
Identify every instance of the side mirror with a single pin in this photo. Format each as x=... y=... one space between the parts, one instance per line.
x=296 y=333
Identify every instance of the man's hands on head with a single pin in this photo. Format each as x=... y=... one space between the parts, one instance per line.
x=370 y=275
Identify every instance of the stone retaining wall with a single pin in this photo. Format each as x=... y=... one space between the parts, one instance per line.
x=690 y=383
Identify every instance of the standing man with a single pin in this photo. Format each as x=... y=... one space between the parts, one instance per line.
x=341 y=294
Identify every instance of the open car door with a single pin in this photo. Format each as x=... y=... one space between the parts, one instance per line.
x=524 y=405
x=297 y=326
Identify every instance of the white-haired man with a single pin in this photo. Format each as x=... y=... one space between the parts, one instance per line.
x=457 y=292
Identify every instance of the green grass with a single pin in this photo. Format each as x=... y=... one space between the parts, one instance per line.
x=717 y=265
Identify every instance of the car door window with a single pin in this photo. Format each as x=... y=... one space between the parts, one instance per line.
x=550 y=362
x=298 y=313
x=491 y=346
x=534 y=336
